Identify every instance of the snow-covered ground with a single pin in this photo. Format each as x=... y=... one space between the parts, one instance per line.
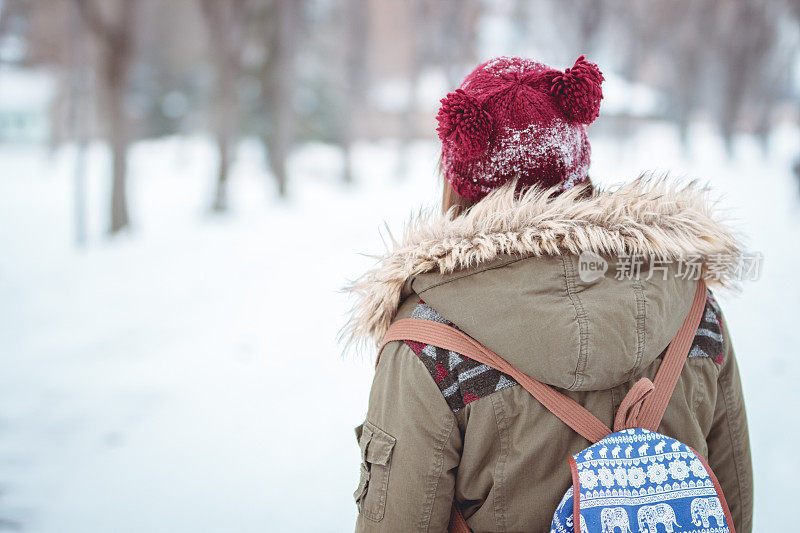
x=186 y=376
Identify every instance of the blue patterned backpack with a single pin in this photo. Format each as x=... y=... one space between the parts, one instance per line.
x=632 y=479
x=638 y=480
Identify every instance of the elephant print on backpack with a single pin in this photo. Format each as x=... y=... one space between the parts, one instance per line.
x=584 y=529
x=615 y=517
x=659 y=485
x=650 y=516
x=703 y=508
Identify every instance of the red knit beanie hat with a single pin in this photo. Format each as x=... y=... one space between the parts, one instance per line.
x=513 y=117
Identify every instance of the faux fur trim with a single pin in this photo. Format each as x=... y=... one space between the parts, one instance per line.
x=650 y=216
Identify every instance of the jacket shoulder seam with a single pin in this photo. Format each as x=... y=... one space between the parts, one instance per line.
x=727 y=400
x=435 y=475
x=641 y=322
x=500 y=473
x=582 y=321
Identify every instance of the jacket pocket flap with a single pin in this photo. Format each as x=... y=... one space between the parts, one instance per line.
x=377 y=446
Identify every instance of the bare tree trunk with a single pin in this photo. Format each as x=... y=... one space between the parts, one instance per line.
x=587 y=17
x=751 y=36
x=225 y=111
x=220 y=203
x=283 y=76
x=118 y=133
x=408 y=123
x=694 y=35
x=733 y=95
x=225 y=19
x=686 y=94
x=356 y=17
x=116 y=56
x=77 y=119
x=116 y=67
x=460 y=25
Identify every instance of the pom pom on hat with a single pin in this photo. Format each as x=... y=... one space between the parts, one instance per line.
x=464 y=125
x=577 y=91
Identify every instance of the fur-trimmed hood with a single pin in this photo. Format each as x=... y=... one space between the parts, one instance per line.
x=648 y=217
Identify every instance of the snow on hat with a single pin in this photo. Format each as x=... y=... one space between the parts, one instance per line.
x=513 y=117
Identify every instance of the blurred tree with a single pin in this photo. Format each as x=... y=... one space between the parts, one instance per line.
x=457 y=23
x=748 y=37
x=78 y=115
x=588 y=20
x=280 y=78
x=226 y=20
x=690 y=54
x=724 y=59
x=114 y=28
x=356 y=39
x=172 y=78
x=418 y=17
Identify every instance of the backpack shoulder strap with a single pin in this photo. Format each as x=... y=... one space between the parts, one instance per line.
x=446 y=337
x=655 y=404
x=565 y=408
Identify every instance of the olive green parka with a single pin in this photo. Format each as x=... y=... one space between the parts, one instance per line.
x=441 y=428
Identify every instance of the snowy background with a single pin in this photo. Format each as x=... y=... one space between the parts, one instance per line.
x=178 y=371
x=186 y=377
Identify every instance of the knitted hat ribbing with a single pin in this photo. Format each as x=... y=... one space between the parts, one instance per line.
x=513 y=117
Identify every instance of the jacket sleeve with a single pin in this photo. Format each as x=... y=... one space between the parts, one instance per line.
x=729 y=442
x=410 y=448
